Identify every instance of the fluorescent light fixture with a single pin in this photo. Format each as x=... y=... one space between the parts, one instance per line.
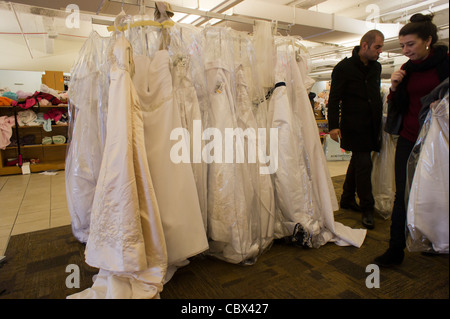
x=211 y=22
x=410 y=7
x=178 y=16
x=190 y=18
x=350 y=44
x=428 y=11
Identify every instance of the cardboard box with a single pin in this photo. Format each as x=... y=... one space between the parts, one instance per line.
x=54 y=80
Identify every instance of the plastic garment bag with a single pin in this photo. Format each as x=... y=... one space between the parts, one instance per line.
x=428 y=202
x=185 y=97
x=188 y=41
x=267 y=206
x=126 y=239
x=304 y=64
x=293 y=190
x=302 y=164
x=265 y=53
x=88 y=93
x=231 y=220
x=249 y=93
x=383 y=171
x=324 y=197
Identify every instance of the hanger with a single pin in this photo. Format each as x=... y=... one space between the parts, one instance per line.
x=163 y=11
x=121 y=21
x=164 y=24
x=164 y=19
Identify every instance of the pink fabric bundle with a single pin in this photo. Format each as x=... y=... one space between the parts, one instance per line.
x=54 y=114
x=35 y=98
x=6 y=124
x=23 y=95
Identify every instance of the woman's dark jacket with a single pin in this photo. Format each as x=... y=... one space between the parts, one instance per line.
x=355 y=93
x=398 y=104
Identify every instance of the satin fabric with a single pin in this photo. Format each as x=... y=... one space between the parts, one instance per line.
x=324 y=196
x=174 y=183
x=126 y=239
x=291 y=182
x=303 y=187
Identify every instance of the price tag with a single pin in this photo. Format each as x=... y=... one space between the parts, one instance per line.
x=26 y=168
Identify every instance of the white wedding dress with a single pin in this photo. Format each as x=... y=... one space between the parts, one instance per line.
x=126 y=240
x=88 y=93
x=174 y=183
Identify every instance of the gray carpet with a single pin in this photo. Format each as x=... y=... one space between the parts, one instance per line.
x=36 y=268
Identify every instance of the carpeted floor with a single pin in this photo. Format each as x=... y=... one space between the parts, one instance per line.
x=36 y=268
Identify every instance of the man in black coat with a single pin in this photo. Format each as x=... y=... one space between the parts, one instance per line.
x=354 y=119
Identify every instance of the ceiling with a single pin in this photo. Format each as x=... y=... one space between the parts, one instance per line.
x=38 y=36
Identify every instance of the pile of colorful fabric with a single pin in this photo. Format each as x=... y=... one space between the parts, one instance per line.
x=40 y=98
x=5 y=100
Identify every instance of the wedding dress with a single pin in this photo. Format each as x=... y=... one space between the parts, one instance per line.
x=231 y=218
x=185 y=97
x=88 y=93
x=126 y=240
x=174 y=183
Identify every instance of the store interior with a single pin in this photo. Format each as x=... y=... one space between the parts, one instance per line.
x=42 y=41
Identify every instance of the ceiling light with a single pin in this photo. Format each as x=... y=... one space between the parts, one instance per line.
x=411 y=7
x=211 y=22
x=428 y=11
x=189 y=19
x=178 y=16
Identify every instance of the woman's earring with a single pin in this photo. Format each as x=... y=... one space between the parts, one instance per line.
x=427 y=47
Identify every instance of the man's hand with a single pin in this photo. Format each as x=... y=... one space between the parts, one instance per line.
x=335 y=134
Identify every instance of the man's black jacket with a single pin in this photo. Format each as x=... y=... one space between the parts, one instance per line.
x=355 y=96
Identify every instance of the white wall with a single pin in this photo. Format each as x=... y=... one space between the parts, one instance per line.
x=15 y=80
x=14 y=54
x=319 y=86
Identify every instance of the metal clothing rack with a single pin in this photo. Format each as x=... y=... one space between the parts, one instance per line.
x=19 y=154
x=201 y=13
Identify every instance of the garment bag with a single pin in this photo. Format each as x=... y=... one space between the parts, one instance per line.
x=231 y=218
x=324 y=197
x=383 y=171
x=249 y=92
x=185 y=97
x=88 y=93
x=428 y=203
x=293 y=190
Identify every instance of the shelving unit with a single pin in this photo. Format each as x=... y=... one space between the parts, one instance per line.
x=323 y=127
x=50 y=156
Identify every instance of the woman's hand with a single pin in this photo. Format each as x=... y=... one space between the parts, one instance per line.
x=433 y=105
x=397 y=78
